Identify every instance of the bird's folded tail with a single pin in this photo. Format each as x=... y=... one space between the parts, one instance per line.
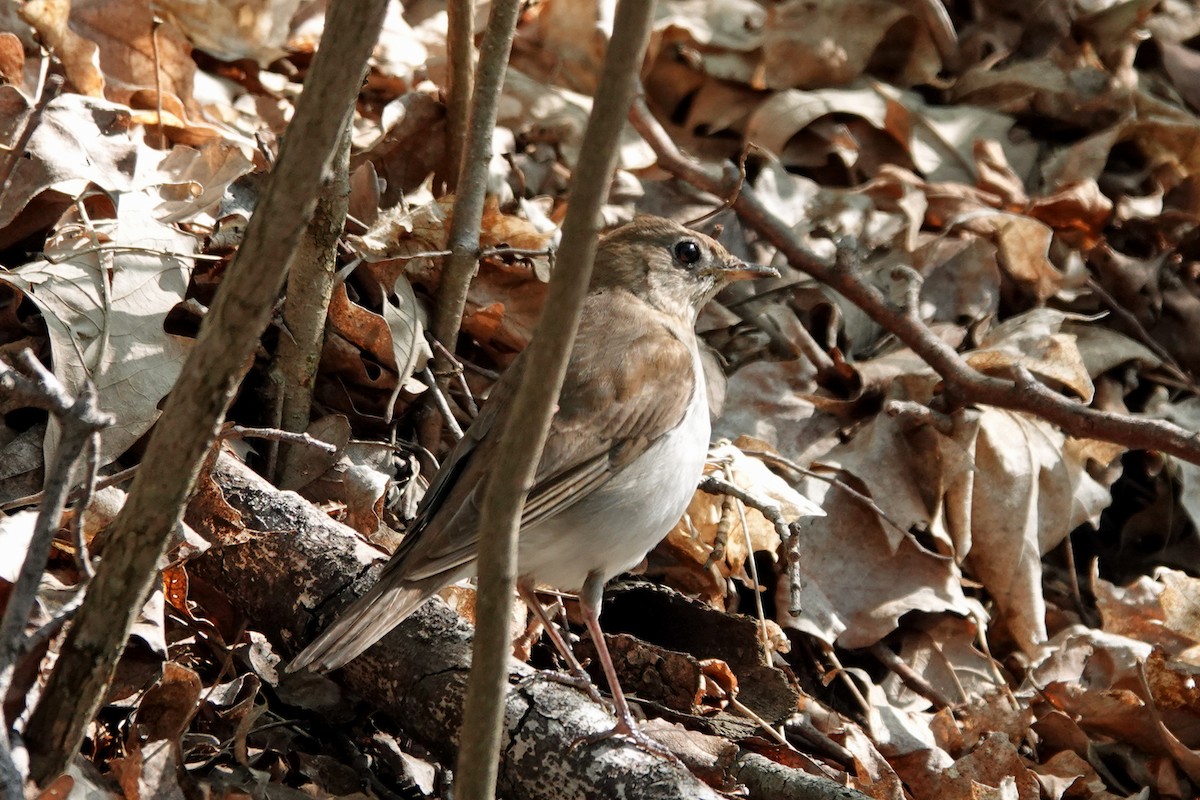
x=367 y=620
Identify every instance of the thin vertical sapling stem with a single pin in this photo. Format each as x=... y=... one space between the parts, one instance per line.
x=522 y=442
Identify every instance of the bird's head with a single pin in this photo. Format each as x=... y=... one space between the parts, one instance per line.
x=669 y=266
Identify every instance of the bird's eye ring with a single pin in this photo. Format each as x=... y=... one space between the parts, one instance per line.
x=687 y=251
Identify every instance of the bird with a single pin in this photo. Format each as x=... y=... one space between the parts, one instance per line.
x=625 y=451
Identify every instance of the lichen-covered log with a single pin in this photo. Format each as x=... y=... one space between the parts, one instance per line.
x=289 y=567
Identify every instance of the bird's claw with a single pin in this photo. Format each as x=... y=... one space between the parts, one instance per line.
x=627 y=729
x=581 y=682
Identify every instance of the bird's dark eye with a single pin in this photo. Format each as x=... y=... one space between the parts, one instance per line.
x=687 y=251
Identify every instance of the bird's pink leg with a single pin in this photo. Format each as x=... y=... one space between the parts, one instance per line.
x=579 y=678
x=590 y=598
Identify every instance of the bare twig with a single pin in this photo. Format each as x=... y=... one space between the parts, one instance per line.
x=80 y=417
x=196 y=406
x=786 y=532
x=1143 y=336
x=442 y=403
x=306 y=305
x=909 y=676
x=155 y=24
x=51 y=628
x=463 y=240
x=276 y=435
x=963 y=385
x=78 y=526
x=533 y=404
x=460 y=80
x=125 y=248
x=728 y=201
x=457 y=369
x=103 y=483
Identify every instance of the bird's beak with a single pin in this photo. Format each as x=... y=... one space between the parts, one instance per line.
x=739 y=271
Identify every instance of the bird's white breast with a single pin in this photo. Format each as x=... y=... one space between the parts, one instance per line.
x=613 y=528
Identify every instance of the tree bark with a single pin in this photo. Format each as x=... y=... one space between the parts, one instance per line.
x=282 y=548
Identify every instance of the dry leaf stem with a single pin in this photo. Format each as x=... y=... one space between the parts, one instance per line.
x=963 y=385
x=534 y=402
x=196 y=406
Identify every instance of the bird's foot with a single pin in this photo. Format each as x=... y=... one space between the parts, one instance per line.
x=628 y=730
x=579 y=681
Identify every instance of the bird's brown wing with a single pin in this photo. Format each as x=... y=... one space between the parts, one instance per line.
x=618 y=400
x=634 y=389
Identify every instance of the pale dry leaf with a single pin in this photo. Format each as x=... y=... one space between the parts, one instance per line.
x=302 y=464
x=1180 y=602
x=1186 y=413
x=768 y=400
x=939 y=140
x=80 y=56
x=898 y=466
x=1168 y=142
x=1033 y=340
x=134 y=52
x=1028 y=491
x=858 y=577
x=1067 y=774
x=104 y=313
x=359 y=480
x=994 y=764
x=961 y=279
x=871 y=766
x=80 y=141
x=149 y=771
x=1022 y=249
x=720 y=24
x=896 y=729
x=186 y=183
x=234 y=29
x=944 y=651
x=1102 y=349
x=405 y=320
x=547 y=113
x=16 y=532
x=830 y=43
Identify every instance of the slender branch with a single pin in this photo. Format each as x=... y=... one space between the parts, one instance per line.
x=460 y=80
x=103 y=483
x=472 y=175
x=910 y=677
x=306 y=305
x=276 y=435
x=196 y=406
x=963 y=385
x=787 y=534
x=443 y=405
x=91 y=470
x=80 y=418
x=533 y=405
